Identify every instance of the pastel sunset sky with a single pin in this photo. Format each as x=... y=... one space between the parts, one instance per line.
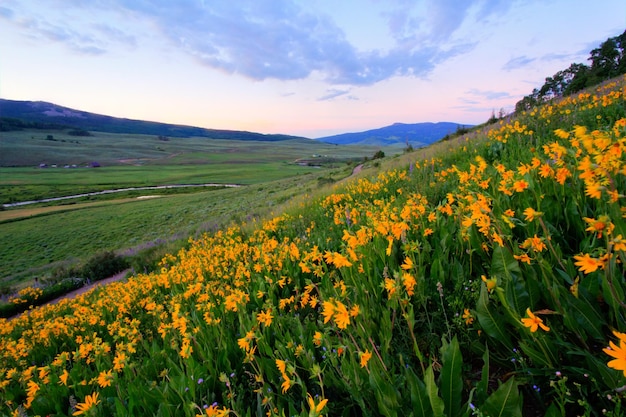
x=310 y=67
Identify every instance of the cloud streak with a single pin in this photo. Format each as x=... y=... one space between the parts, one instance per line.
x=489 y=94
x=333 y=93
x=521 y=62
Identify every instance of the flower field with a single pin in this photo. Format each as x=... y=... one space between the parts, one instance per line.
x=485 y=281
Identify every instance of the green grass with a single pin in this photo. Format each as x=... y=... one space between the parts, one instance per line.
x=24 y=184
x=33 y=238
x=139 y=160
x=31 y=148
x=77 y=232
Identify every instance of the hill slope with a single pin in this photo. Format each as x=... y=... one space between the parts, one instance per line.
x=450 y=287
x=44 y=114
x=416 y=134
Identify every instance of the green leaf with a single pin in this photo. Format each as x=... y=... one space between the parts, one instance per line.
x=553 y=411
x=516 y=294
x=451 y=379
x=483 y=384
x=419 y=396
x=532 y=286
x=544 y=355
x=385 y=394
x=582 y=317
x=613 y=292
x=492 y=323
x=504 y=402
x=120 y=410
x=609 y=378
x=436 y=402
x=503 y=264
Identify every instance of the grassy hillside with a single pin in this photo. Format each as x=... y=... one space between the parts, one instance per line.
x=17 y=115
x=37 y=239
x=484 y=280
x=31 y=246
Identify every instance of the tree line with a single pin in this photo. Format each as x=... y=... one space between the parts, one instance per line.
x=607 y=61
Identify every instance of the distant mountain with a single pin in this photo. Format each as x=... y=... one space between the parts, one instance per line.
x=16 y=115
x=416 y=134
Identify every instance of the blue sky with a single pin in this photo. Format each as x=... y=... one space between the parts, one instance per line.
x=310 y=68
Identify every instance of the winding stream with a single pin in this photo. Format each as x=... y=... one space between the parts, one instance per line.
x=117 y=190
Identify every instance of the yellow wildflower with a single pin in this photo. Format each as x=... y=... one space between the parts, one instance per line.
x=618 y=352
x=342 y=316
x=533 y=322
x=409 y=283
x=329 y=310
x=491 y=283
x=365 y=357
x=600 y=225
x=213 y=411
x=530 y=214
x=105 y=378
x=63 y=377
x=520 y=186
x=33 y=387
x=265 y=317
x=317 y=338
x=90 y=402
x=390 y=286
x=587 y=264
x=523 y=258
x=619 y=243
x=467 y=316
x=316 y=409
x=534 y=242
x=408 y=264
x=574 y=288
x=281 y=365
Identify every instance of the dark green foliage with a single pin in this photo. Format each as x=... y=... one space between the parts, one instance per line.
x=8 y=124
x=103 y=265
x=607 y=61
x=68 y=278
x=79 y=132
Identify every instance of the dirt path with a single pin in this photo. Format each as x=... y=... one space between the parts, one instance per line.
x=357 y=169
x=82 y=290
x=79 y=291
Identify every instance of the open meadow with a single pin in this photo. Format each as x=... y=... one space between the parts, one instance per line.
x=141 y=160
x=49 y=241
x=480 y=277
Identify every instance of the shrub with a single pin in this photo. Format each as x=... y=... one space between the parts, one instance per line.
x=103 y=265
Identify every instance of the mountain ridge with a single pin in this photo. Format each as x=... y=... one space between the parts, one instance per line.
x=50 y=114
x=20 y=114
x=414 y=134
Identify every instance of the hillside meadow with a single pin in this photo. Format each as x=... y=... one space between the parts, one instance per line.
x=50 y=241
x=484 y=280
x=42 y=237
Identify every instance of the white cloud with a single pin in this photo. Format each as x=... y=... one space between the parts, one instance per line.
x=274 y=39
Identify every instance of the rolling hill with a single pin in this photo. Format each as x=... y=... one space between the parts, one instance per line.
x=18 y=115
x=415 y=134
x=15 y=115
